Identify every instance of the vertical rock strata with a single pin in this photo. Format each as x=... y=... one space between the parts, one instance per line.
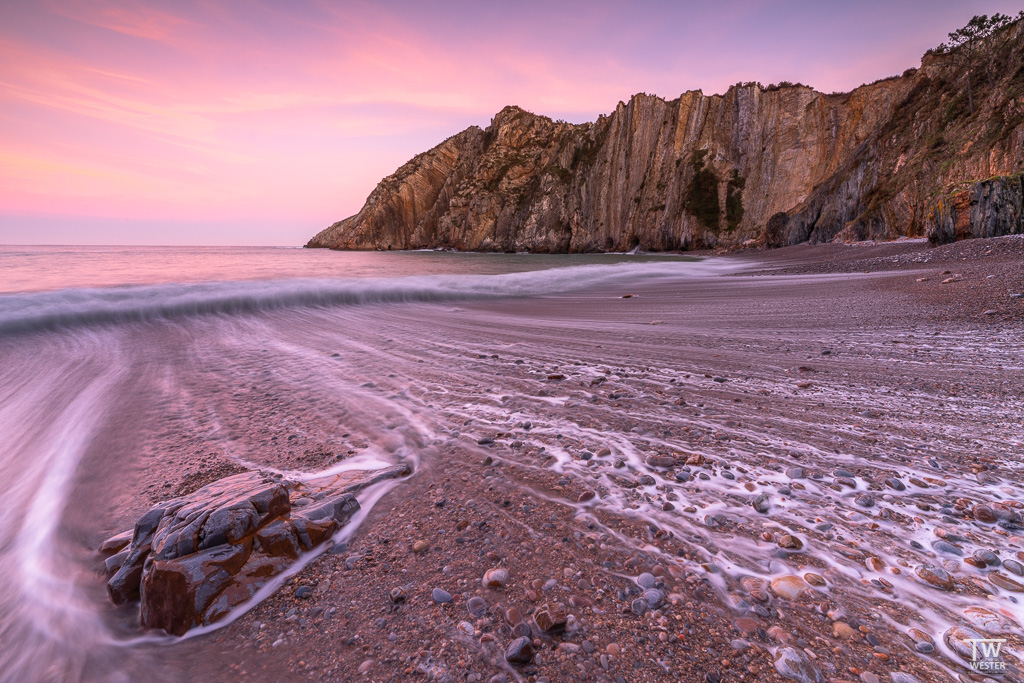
x=782 y=165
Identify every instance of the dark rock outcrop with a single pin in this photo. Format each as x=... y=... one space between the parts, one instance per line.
x=776 y=165
x=989 y=208
x=192 y=559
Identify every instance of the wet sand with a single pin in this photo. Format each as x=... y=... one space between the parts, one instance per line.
x=731 y=437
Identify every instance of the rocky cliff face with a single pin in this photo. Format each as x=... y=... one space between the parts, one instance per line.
x=780 y=164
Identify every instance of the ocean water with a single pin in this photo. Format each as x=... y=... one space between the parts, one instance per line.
x=113 y=359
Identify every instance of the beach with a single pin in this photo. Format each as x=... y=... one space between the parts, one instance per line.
x=774 y=465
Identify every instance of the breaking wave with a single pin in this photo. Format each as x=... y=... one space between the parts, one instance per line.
x=41 y=311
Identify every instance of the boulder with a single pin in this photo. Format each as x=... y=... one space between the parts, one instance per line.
x=192 y=559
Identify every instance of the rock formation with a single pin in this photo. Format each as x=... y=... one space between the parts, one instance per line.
x=191 y=559
x=782 y=165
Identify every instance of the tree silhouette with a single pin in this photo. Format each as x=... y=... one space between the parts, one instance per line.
x=978 y=43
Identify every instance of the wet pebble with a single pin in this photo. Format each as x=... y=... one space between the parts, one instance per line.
x=519 y=651
x=646 y=580
x=983 y=619
x=476 y=606
x=935 y=576
x=440 y=596
x=761 y=504
x=903 y=677
x=790 y=542
x=654 y=597
x=984 y=513
x=1006 y=583
x=947 y=548
x=955 y=637
x=793 y=664
x=495 y=578
x=788 y=587
x=551 y=617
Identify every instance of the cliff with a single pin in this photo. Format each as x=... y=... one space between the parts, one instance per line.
x=781 y=165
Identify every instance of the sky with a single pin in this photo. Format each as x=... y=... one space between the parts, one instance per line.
x=246 y=122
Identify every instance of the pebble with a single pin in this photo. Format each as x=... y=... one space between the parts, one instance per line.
x=955 y=637
x=654 y=597
x=790 y=542
x=986 y=620
x=814 y=579
x=935 y=577
x=304 y=592
x=922 y=641
x=639 y=606
x=844 y=631
x=476 y=606
x=519 y=651
x=1014 y=567
x=760 y=504
x=365 y=666
x=495 y=578
x=440 y=596
x=795 y=473
x=646 y=580
x=398 y=594
x=420 y=546
x=551 y=617
x=788 y=587
x=984 y=513
x=947 y=548
x=794 y=665
x=1006 y=583
x=902 y=677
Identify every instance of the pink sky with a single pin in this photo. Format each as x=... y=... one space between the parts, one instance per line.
x=246 y=122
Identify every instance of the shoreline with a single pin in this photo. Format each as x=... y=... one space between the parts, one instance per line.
x=735 y=328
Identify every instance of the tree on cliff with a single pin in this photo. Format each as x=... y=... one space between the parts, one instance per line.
x=979 y=42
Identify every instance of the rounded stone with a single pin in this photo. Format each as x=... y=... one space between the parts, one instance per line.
x=955 y=639
x=937 y=577
x=495 y=578
x=788 y=587
x=983 y=619
x=790 y=542
x=1006 y=583
x=984 y=513
x=519 y=651
x=654 y=597
x=646 y=580
x=795 y=666
x=476 y=606
x=440 y=596
x=1014 y=567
